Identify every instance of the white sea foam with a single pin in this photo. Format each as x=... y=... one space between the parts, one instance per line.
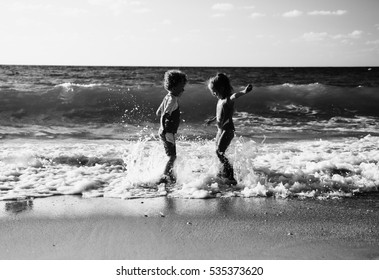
x=70 y=86
x=129 y=169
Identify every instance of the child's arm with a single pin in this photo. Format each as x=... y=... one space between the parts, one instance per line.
x=236 y=95
x=159 y=109
x=210 y=120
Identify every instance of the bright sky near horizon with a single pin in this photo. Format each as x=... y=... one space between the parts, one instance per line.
x=190 y=32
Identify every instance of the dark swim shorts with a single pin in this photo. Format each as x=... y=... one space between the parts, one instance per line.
x=169 y=147
x=223 y=139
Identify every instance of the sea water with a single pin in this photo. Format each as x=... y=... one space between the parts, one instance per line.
x=92 y=131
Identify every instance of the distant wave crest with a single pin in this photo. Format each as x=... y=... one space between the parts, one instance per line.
x=102 y=102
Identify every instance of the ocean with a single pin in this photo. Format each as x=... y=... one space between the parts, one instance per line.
x=92 y=131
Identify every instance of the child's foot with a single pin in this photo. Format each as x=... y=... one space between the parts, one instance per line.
x=220 y=175
x=232 y=181
x=228 y=180
x=165 y=179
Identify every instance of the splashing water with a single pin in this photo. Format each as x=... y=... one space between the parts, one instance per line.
x=81 y=116
x=130 y=169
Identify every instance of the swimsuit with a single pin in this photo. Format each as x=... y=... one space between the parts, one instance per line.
x=170 y=120
x=225 y=134
x=170 y=114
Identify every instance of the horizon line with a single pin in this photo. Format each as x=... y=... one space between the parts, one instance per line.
x=189 y=66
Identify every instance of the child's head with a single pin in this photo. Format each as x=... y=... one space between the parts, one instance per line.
x=174 y=81
x=220 y=86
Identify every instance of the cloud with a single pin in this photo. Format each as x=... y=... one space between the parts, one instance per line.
x=223 y=7
x=291 y=14
x=376 y=42
x=327 y=13
x=257 y=15
x=356 y=34
x=314 y=36
x=320 y=36
x=99 y=2
x=119 y=7
x=377 y=26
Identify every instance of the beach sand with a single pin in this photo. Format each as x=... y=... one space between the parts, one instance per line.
x=71 y=227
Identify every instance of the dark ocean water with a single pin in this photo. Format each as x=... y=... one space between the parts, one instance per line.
x=302 y=132
x=115 y=102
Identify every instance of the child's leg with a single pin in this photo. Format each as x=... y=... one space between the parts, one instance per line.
x=223 y=140
x=168 y=140
x=227 y=169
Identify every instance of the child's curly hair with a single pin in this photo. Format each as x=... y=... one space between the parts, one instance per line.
x=172 y=78
x=221 y=83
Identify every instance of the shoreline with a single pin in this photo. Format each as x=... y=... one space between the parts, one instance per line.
x=71 y=227
x=259 y=138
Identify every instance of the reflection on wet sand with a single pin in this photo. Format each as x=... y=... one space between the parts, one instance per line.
x=18 y=206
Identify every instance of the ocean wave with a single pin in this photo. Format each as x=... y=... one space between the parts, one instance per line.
x=323 y=100
x=311 y=86
x=285 y=107
x=315 y=96
x=68 y=86
x=129 y=169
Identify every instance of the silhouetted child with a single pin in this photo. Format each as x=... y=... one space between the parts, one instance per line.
x=174 y=82
x=221 y=88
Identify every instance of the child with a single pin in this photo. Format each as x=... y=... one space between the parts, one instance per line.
x=174 y=82
x=221 y=88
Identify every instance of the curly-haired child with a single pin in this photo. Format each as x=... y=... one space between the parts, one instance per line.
x=220 y=87
x=174 y=82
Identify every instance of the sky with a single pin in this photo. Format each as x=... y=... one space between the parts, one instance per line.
x=190 y=32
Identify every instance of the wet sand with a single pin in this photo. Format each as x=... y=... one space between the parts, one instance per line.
x=70 y=227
